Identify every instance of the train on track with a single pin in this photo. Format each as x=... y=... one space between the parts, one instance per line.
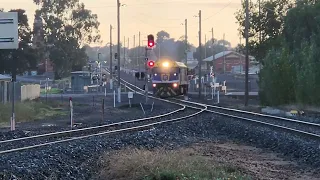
x=169 y=78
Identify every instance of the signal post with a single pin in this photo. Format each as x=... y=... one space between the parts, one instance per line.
x=149 y=63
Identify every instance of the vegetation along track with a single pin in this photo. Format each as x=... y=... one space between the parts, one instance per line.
x=26 y=143
x=311 y=130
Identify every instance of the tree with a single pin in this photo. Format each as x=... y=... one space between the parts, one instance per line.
x=269 y=23
x=25 y=57
x=161 y=36
x=68 y=26
x=290 y=73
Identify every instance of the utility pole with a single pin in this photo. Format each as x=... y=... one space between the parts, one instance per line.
x=139 y=54
x=259 y=31
x=128 y=51
x=247 y=54
x=224 y=57
x=134 y=45
x=118 y=19
x=200 y=54
x=146 y=75
x=212 y=43
x=111 y=74
x=186 y=38
x=205 y=46
x=124 y=51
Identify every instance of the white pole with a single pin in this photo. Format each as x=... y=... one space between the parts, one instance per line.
x=71 y=113
x=119 y=94
x=129 y=102
x=105 y=92
x=114 y=98
x=218 y=97
x=211 y=93
x=111 y=83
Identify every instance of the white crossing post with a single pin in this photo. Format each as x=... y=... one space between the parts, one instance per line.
x=71 y=112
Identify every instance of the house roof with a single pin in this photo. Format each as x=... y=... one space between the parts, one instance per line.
x=225 y=53
x=5 y=78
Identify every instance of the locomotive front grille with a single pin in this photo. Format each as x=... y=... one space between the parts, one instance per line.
x=165 y=91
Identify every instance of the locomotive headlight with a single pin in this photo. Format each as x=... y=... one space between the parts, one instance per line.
x=175 y=74
x=154 y=85
x=155 y=74
x=165 y=64
x=175 y=85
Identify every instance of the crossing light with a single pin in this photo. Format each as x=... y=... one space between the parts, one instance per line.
x=150 y=64
x=150 y=40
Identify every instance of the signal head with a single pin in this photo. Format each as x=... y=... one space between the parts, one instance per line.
x=150 y=64
x=150 y=40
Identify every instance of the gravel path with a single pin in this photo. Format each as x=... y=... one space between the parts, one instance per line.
x=77 y=160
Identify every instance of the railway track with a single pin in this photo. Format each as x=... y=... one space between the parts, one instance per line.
x=188 y=109
x=32 y=142
x=311 y=130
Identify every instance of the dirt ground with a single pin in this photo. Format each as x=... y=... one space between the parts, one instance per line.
x=254 y=162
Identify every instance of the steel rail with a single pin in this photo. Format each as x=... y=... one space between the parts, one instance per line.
x=106 y=132
x=258 y=114
x=255 y=114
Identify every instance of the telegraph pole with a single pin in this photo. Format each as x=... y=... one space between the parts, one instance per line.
x=124 y=51
x=146 y=75
x=205 y=45
x=128 y=49
x=224 y=57
x=111 y=74
x=247 y=53
x=186 y=38
x=259 y=31
x=134 y=50
x=212 y=39
x=200 y=54
x=139 y=54
x=118 y=19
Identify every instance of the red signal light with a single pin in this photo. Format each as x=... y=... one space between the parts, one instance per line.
x=150 y=40
x=150 y=64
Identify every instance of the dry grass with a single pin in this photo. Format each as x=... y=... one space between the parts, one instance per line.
x=163 y=164
x=31 y=110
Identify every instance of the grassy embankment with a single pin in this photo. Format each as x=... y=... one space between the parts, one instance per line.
x=184 y=164
x=31 y=111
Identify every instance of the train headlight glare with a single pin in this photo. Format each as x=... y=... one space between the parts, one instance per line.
x=165 y=64
x=175 y=74
x=155 y=74
x=175 y=85
x=154 y=85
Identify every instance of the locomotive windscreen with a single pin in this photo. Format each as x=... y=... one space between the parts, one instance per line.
x=165 y=70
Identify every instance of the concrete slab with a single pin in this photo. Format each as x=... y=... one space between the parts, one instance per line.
x=241 y=94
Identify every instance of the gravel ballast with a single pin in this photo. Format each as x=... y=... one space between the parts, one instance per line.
x=77 y=160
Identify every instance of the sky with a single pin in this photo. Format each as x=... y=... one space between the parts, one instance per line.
x=152 y=16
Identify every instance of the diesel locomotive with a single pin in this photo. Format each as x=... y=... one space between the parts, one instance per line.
x=169 y=78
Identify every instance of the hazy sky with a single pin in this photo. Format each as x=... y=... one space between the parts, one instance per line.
x=151 y=16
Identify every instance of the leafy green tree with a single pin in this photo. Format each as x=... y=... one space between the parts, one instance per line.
x=68 y=27
x=268 y=23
